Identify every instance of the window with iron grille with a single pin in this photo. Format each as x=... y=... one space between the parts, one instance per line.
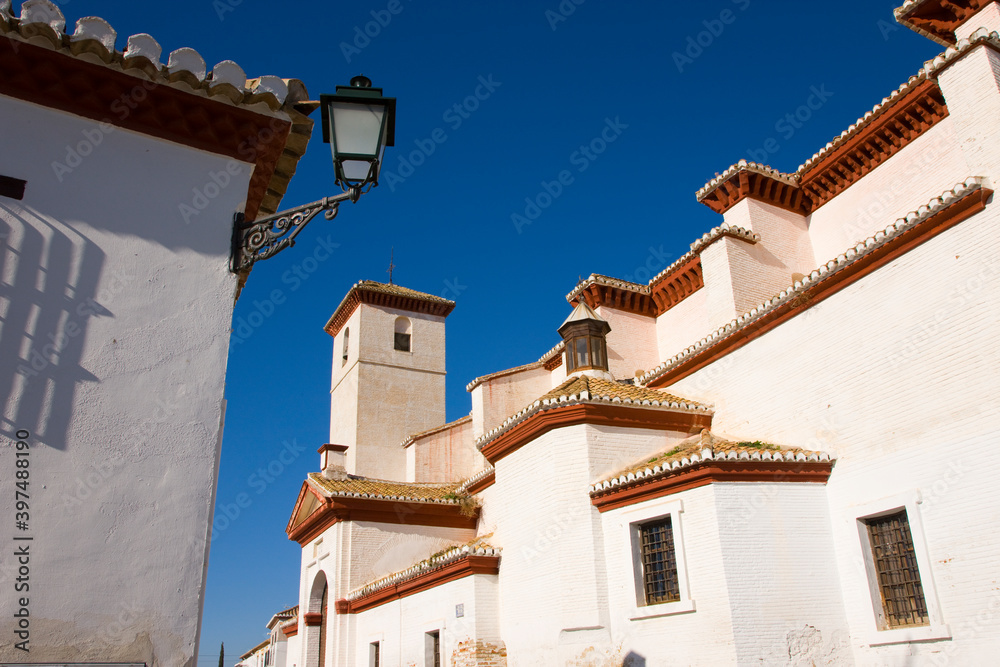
x=432 y=649
x=375 y=654
x=903 y=602
x=659 y=562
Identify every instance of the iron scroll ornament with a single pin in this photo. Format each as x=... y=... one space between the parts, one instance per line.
x=265 y=238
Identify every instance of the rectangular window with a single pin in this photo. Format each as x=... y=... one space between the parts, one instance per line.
x=12 y=187
x=896 y=572
x=374 y=654
x=659 y=562
x=432 y=649
x=402 y=342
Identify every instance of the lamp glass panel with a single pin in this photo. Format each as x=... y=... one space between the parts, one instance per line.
x=355 y=170
x=597 y=352
x=357 y=127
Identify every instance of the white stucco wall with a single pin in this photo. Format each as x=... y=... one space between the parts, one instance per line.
x=893 y=375
x=553 y=580
x=924 y=169
x=682 y=325
x=496 y=399
x=114 y=339
x=631 y=342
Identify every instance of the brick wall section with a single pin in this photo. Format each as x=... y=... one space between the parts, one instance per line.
x=988 y=17
x=682 y=325
x=631 y=343
x=447 y=456
x=688 y=633
x=477 y=653
x=924 y=169
x=495 y=400
x=896 y=376
x=781 y=574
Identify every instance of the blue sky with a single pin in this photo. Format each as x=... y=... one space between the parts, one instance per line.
x=679 y=91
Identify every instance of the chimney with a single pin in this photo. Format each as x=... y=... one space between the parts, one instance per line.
x=333 y=460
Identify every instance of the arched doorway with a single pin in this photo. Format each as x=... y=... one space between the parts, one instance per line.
x=316 y=619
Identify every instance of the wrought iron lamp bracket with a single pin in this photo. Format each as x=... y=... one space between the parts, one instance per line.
x=265 y=238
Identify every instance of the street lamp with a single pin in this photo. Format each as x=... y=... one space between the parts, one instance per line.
x=358 y=123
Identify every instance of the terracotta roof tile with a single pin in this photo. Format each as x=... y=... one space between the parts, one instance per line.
x=437 y=429
x=369 y=291
x=365 y=487
x=702 y=447
x=585 y=389
x=834 y=266
x=478 y=546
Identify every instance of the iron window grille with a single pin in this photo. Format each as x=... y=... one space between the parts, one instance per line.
x=659 y=562
x=903 y=602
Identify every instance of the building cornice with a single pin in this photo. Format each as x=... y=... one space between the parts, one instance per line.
x=411 y=584
x=641 y=488
x=479 y=482
x=961 y=202
x=573 y=412
x=450 y=514
x=386 y=296
x=219 y=111
x=938 y=19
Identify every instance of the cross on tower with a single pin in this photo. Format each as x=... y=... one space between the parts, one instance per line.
x=391 y=265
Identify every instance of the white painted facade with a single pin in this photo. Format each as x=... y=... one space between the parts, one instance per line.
x=880 y=356
x=117 y=306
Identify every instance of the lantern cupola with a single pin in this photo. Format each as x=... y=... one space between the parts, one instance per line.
x=585 y=334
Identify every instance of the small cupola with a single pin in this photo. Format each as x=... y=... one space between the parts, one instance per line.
x=586 y=345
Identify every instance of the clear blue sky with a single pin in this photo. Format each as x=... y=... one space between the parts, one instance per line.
x=555 y=84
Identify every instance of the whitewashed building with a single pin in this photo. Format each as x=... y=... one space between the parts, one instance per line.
x=120 y=171
x=781 y=450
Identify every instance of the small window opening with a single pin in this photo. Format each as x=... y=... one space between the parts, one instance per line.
x=895 y=562
x=401 y=334
x=432 y=649
x=347 y=336
x=659 y=562
x=374 y=654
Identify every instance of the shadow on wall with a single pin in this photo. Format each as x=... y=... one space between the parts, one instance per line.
x=48 y=282
x=633 y=659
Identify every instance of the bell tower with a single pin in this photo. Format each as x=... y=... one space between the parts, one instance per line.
x=388 y=378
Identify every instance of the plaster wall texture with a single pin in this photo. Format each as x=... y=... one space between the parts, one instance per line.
x=682 y=325
x=706 y=576
x=924 y=169
x=784 y=248
x=988 y=17
x=558 y=375
x=893 y=376
x=495 y=400
x=781 y=574
x=552 y=541
x=448 y=456
x=113 y=353
x=402 y=392
x=631 y=342
x=401 y=625
x=970 y=87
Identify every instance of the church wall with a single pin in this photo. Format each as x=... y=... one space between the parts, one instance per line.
x=113 y=350
x=448 y=456
x=703 y=635
x=631 y=342
x=924 y=169
x=552 y=542
x=495 y=400
x=682 y=325
x=401 y=625
x=894 y=376
x=781 y=574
